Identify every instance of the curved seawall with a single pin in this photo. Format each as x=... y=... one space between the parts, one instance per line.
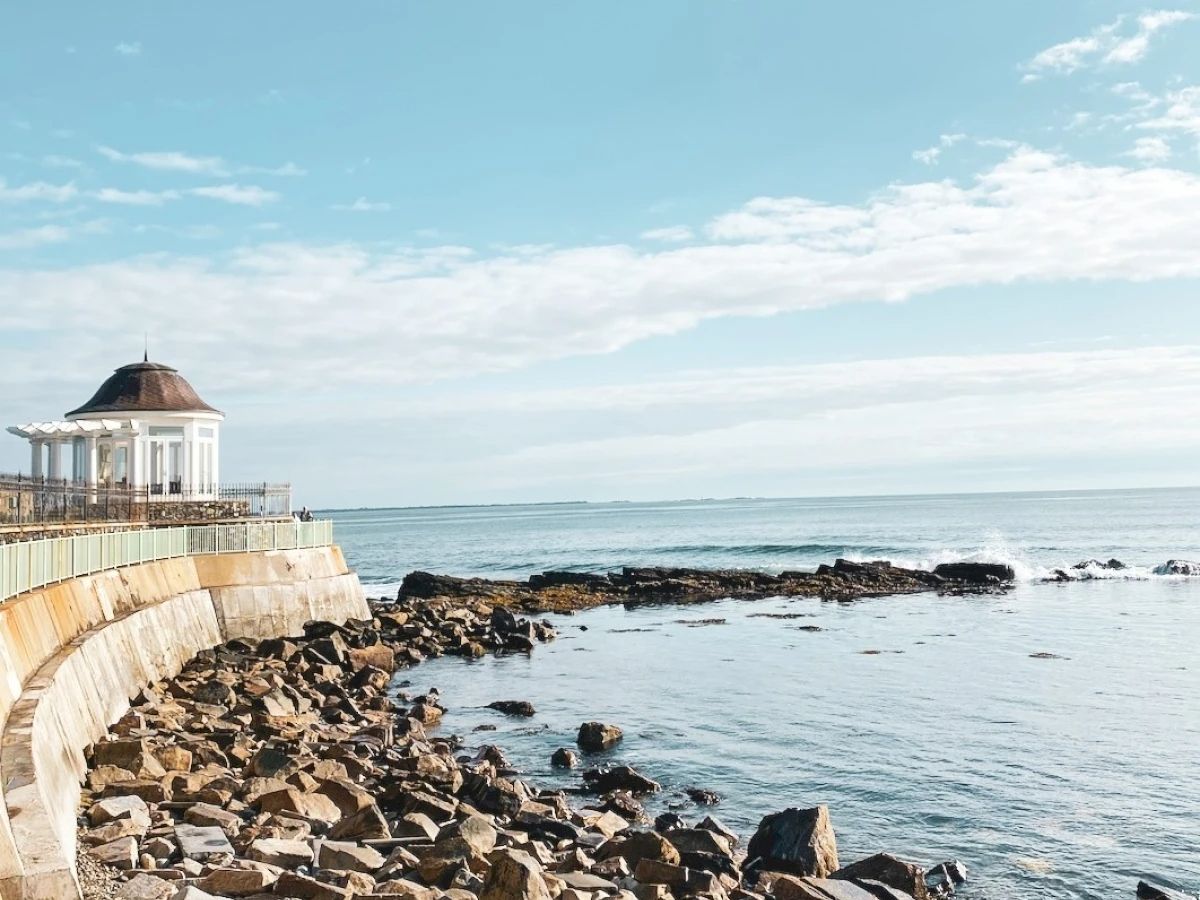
x=73 y=654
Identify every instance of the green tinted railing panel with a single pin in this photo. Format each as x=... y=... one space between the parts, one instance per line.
x=28 y=565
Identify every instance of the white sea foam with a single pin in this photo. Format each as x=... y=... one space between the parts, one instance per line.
x=998 y=550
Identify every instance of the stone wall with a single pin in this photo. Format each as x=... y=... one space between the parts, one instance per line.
x=71 y=656
x=167 y=512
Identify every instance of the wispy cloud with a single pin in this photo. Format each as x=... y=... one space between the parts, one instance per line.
x=1180 y=112
x=673 y=234
x=168 y=161
x=37 y=190
x=128 y=48
x=241 y=195
x=930 y=155
x=1150 y=150
x=362 y=204
x=34 y=237
x=134 y=198
x=1114 y=44
x=178 y=161
x=287 y=170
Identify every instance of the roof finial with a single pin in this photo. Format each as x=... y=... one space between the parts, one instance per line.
x=146 y=352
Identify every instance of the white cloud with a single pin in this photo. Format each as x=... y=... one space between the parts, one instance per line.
x=673 y=234
x=169 y=161
x=134 y=198
x=37 y=190
x=1132 y=49
x=362 y=204
x=34 y=237
x=287 y=170
x=128 y=48
x=1150 y=150
x=1112 y=44
x=1181 y=112
x=930 y=155
x=338 y=314
x=239 y=194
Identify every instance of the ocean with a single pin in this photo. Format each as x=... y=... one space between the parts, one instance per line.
x=1047 y=737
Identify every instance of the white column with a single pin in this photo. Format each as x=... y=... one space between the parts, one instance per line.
x=133 y=461
x=55 y=460
x=35 y=459
x=91 y=460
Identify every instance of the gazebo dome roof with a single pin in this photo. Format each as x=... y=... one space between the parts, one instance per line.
x=144 y=387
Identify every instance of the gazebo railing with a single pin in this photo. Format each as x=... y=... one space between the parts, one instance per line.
x=28 y=565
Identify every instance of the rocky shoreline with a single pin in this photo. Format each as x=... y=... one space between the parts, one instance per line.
x=640 y=586
x=293 y=768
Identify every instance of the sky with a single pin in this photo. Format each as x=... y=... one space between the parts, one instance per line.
x=477 y=252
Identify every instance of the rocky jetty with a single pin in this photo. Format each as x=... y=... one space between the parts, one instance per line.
x=638 y=586
x=295 y=768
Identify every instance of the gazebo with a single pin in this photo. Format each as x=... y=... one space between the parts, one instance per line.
x=145 y=429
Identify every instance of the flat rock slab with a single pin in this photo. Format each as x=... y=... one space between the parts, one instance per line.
x=202 y=842
x=146 y=887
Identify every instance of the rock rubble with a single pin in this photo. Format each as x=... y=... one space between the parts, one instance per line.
x=294 y=767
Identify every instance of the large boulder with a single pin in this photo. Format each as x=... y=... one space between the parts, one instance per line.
x=799 y=841
x=976 y=573
x=1178 y=567
x=634 y=846
x=885 y=868
x=620 y=778
x=514 y=875
x=596 y=736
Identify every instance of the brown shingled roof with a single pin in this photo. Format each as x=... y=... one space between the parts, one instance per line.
x=144 y=387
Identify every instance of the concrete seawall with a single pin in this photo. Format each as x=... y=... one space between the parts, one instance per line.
x=73 y=654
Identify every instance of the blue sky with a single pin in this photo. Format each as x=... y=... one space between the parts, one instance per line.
x=427 y=253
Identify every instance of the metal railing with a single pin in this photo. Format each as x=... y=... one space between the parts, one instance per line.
x=264 y=499
x=28 y=565
x=44 y=501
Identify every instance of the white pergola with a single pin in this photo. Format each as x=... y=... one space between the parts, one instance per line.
x=85 y=438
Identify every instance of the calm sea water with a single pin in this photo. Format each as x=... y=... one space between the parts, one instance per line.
x=926 y=723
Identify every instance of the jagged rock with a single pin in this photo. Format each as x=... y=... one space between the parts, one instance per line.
x=238 y=882
x=280 y=852
x=513 y=707
x=1113 y=564
x=111 y=809
x=514 y=875
x=145 y=887
x=1149 y=891
x=203 y=843
x=1178 y=567
x=702 y=796
x=976 y=573
x=798 y=841
x=889 y=870
x=699 y=840
x=596 y=736
x=792 y=887
x=619 y=778
x=365 y=825
x=302 y=887
x=634 y=846
x=348 y=856
x=120 y=854
x=562 y=758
